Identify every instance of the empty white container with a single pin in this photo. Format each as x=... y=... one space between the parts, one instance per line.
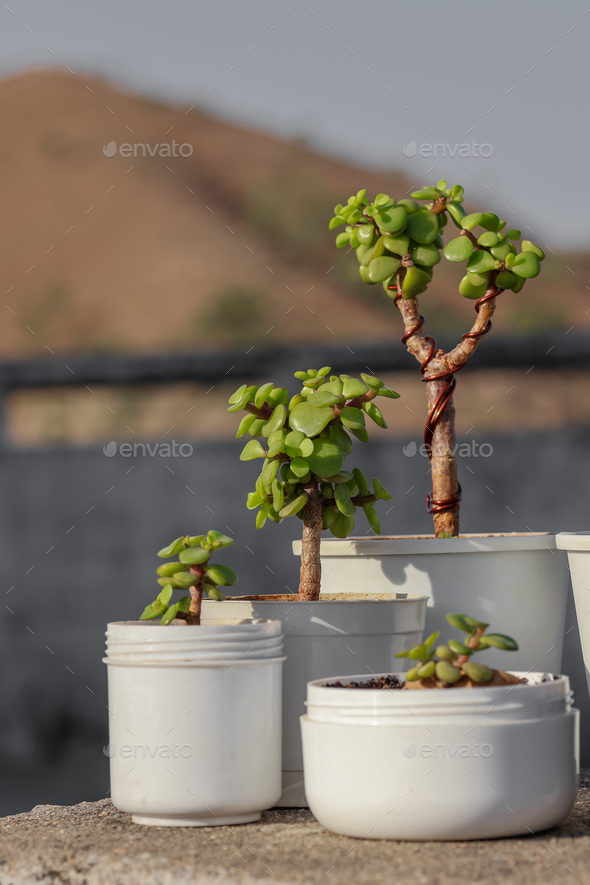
x=195 y=720
x=577 y=545
x=325 y=638
x=474 y=763
x=518 y=583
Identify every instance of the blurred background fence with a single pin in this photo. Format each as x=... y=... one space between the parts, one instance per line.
x=80 y=524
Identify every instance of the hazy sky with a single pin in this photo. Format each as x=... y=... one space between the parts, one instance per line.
x=362 y=79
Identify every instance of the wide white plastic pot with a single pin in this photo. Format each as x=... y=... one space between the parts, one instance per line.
x=577 y=545
x=443 y=763
x=195 y=721
x=516 y=583
x=323 y=639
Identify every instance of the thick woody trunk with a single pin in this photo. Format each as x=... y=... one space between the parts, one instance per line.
x=444 y=463
x=194 y=612
x=445 y=485
x=311 y=569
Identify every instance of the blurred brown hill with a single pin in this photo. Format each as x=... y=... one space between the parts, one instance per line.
x=227 y=247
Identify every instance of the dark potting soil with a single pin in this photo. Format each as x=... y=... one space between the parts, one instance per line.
x=382 y=682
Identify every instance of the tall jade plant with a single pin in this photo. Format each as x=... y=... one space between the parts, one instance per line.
x=398 y=244
x=305 y=440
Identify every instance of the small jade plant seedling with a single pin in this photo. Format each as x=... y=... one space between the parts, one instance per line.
x=446 y=664
x=306 y=439
x=399 y=244
x=192 y=571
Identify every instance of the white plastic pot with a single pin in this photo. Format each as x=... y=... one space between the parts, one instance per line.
x=577 y=545
x=326 y=638
x=461 y=764
x=195 y=721
x=517 y=583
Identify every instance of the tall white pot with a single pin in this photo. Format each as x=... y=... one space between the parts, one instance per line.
x=195 y=721
x=517 y=583
x=475 y=763
x=577 y=545
x=325 y=638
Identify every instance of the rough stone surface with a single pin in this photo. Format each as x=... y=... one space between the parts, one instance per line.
x=95 y=844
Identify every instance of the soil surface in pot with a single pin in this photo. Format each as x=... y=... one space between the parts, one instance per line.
x=500 y=678
x=324 y=597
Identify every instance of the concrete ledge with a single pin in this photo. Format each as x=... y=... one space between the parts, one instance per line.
x=94 y=844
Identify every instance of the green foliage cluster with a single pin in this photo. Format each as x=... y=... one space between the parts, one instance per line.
x=306 y=439
x=192 y=569
x=448 y=663
x=386 y=232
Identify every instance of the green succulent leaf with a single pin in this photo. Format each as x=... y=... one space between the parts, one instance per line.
x=390 y=394
x=393 y=220
x=323 y=397
x=194 y=556
x=422 y=226
x=276 y=420
x=245 y=424
x=419 y=653
x=255 y=428
x=353 y=387
x=352 y=418
x=262 y=393
x=415 y=282
x=294 y=506
x=527 y=246
x=172 y=549
x=425 y=256
x=382 y=268
x=431 y=639
x=478 y=672
x=481 y=262
x=342 y=526
x=412 y=675
x=184 y=580
x=457 y=213
x=169 y=615
x=398 y=244
x=468 y=290
x=490 y=221
x=457 y=620
x=526 y=265
x=445 y=653
x=459 y=647
x=374 y=414
x=343 y=500
x=310 y=420
x=489 y=238
x=327 y=458
x=339 y=435
x=471 y=221
x=381 y=493
x=447 y=672
x=426 y=193
x=300 y=467
x=372 y=518
x=513 y=234
x=237 y=396
x=459 y=249
x=427 y=670
x=221 y=574
x=170 y=568
x=252 y=450
x=498 y=640
x=361 y=482
x=372 y=382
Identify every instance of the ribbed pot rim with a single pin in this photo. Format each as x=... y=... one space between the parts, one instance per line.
x=556 y=688
x=231 y=641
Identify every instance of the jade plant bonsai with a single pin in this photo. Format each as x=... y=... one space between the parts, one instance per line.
x=306 y=439
x=192 y=571
x=398 y=244
x=451 y=664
